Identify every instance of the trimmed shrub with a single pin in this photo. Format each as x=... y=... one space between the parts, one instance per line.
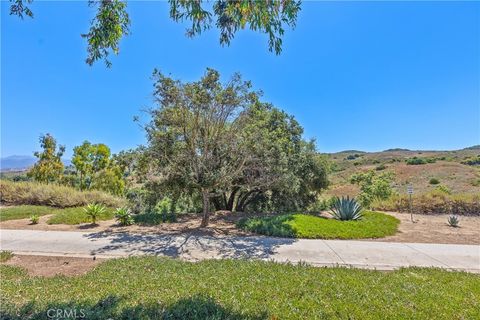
x=434 y=181
x=33 y=193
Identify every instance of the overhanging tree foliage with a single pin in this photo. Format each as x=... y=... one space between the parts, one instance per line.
x=112 y=21
x=218 y=140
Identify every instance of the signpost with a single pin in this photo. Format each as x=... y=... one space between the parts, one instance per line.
x=410 y=192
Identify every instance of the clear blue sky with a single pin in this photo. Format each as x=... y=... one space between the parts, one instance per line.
x=366 y=76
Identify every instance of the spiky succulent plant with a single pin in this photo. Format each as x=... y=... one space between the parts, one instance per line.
x=346 y=208
x=93 y=210
x=453 y=221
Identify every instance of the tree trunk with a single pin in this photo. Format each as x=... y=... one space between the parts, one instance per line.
x=231 y=199
x=242 y=201
x=206 y=209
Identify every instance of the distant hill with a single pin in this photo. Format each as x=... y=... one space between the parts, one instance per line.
x=20 y=163
x=448 y=167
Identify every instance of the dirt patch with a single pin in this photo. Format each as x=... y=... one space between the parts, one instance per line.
x=434 y=229
x=51 y=266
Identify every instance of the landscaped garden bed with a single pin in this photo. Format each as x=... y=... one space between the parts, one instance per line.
x=371 y=225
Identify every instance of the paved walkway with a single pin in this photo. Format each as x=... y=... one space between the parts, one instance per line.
x=362 y=254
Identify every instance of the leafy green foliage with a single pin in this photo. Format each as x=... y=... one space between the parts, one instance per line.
x=453 y=221
x=156 y=288
x=5 y=255
x=346 y=209
x=49 y=167
x=97 y=169
x=108 y=27
x=32 y=193
x=20 y=8
x=94 y=210
x=112 y=22
x=34 y=219
x=265 y=16
x=373 y=186
x=434 y=181
x=124 y=216
x=372 y=225
x=162 y=212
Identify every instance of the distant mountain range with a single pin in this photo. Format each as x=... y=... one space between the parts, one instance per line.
x=21 y=163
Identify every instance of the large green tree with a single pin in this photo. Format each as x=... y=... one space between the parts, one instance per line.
x=112 y=22
x=193 y=137
x=218 y=140
x=97 y=169
x=49 y=167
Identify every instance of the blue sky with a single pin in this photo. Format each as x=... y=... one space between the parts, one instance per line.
x=367 y=76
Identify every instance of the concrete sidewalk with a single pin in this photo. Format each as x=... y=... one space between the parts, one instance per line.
x=361 y=254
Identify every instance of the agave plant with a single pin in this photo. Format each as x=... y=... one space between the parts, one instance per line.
x=453 y=221
x=345 y=208
x=124 y=216
x=93 y=210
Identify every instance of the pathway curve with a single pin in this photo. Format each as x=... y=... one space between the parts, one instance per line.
x=362 y=254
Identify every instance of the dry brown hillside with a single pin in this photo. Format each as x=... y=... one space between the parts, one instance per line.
x=446 y=167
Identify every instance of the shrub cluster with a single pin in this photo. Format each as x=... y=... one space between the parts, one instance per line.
x=435 y=202
x=418 y=161
x=33 y=193
x=472 y=161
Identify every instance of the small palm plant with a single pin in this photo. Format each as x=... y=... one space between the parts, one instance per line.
x=453 y=221
x=124 y=216
x=93 y=210
x=345 y=208
x=34 y=218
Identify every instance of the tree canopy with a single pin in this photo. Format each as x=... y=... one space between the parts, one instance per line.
x=112 y=22
x=97 y=169
x=49 y=167
x=220 y=141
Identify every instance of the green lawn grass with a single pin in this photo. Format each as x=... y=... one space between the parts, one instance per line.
x=155 y=288
x=24 y=212
x=372 y=225
x=77 y=215
x=5 y=255
x=74 y=215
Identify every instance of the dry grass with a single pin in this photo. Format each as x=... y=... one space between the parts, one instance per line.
x=459 y=178
x=32 y=193
x=434 y=203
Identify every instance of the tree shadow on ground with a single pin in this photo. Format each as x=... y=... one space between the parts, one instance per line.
x=112 y=307
x=189 y=245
